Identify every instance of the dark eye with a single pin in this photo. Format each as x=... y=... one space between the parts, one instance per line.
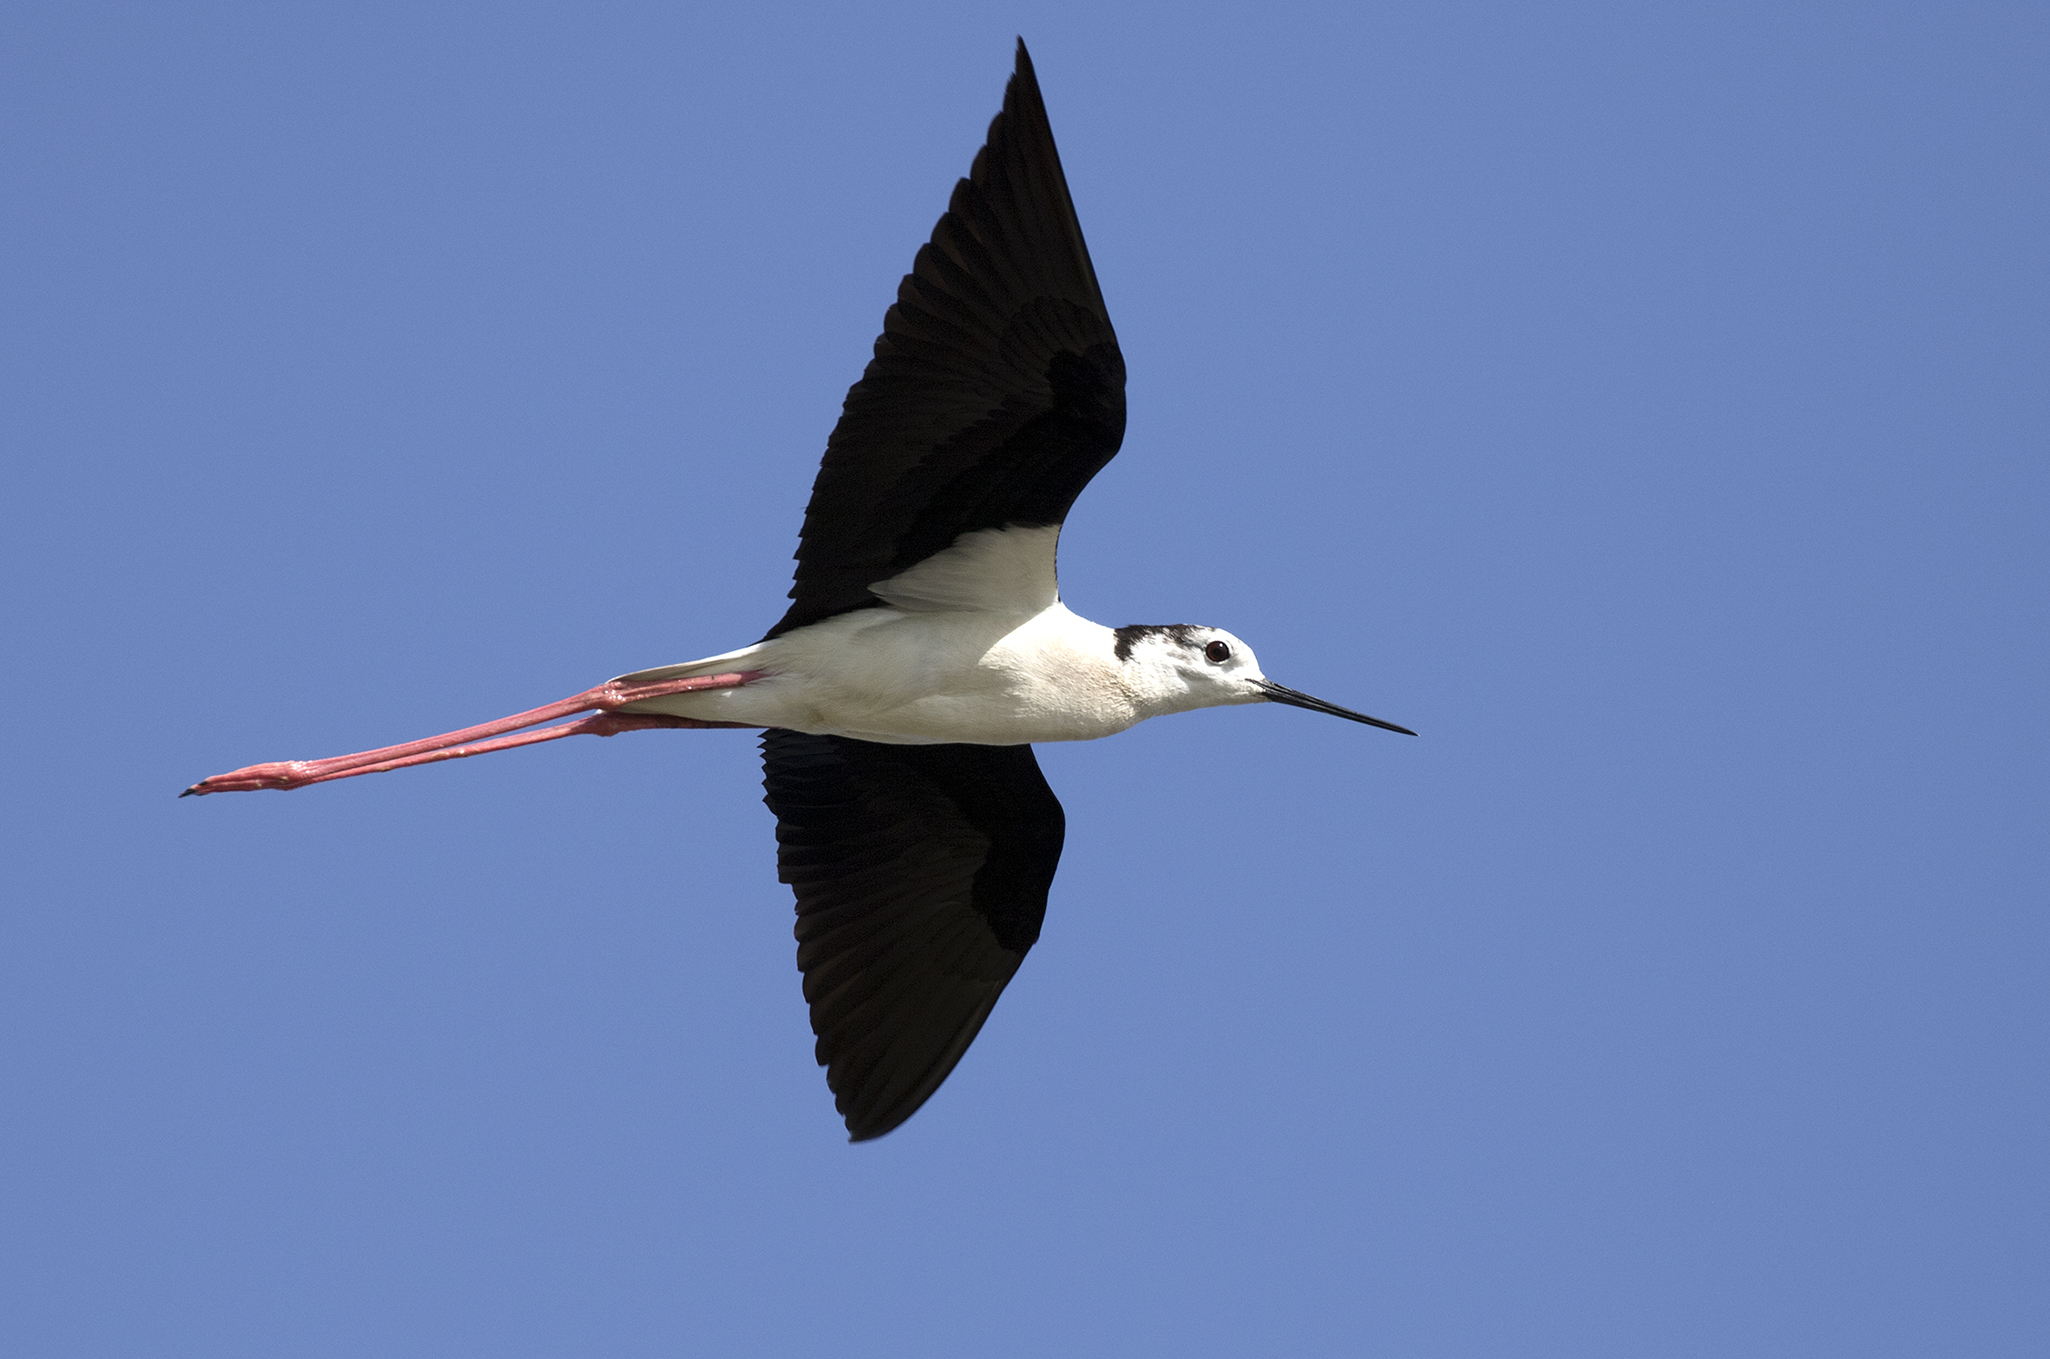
x=1218 y=652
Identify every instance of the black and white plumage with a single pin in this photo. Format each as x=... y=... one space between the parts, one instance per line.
x=996 y=391
x=926 y=646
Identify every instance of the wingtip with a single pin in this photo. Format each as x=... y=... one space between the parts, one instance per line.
x=193 y=791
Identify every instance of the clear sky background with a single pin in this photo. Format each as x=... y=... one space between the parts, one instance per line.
x=1647 y=403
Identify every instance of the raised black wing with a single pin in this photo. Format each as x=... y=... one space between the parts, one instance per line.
x=921 y=875
x=996 y=390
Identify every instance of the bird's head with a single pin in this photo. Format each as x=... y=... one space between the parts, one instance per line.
x=1176 y=667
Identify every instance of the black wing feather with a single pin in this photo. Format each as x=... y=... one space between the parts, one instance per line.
x=996 y=391
x=921 y=875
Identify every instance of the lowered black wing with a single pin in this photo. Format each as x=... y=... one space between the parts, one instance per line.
x=921 y=875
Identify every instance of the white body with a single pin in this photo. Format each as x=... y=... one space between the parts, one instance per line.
x=973 y=645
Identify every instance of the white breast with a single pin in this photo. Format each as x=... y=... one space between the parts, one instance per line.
x=973 y=646
x=916 y=678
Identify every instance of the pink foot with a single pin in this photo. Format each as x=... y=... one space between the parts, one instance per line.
x=482 y=740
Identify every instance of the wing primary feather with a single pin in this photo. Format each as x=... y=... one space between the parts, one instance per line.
x=996 y=390
x=921 y=876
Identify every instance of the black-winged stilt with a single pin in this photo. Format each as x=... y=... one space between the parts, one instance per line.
x=926 y=646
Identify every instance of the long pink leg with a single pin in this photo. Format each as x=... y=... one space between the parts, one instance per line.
x=479 y=740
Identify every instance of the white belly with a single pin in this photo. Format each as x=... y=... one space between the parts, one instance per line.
x=914 y=678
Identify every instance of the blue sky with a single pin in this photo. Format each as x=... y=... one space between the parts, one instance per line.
x=1648 y=404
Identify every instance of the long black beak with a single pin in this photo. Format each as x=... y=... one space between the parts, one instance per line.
x=1295 y=698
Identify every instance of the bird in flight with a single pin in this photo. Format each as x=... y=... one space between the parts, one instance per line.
x=926 y=646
